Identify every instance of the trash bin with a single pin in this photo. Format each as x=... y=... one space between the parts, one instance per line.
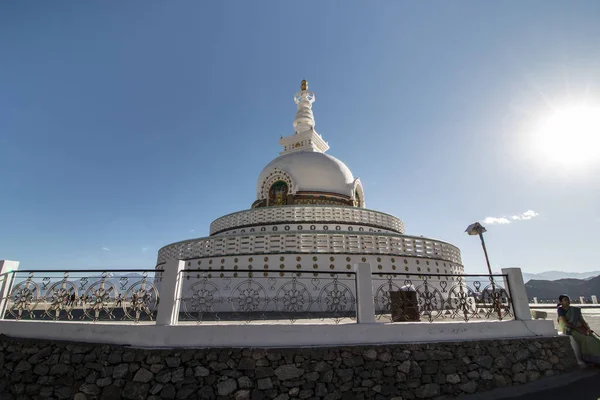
x=404 y=306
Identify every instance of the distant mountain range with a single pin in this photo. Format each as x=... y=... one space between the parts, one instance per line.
x=550 y=290
x=555 y=275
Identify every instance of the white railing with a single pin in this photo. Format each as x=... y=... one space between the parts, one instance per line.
x=294 y=214
x=313 y=242
x=246 y=295
x=80 y=295
x=323 y=308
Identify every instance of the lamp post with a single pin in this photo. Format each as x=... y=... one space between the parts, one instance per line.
x=478 y=229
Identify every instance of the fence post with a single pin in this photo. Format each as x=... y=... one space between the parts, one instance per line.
x=518 y=294
x=365 y=304
x=7 y=269
x=170 y=292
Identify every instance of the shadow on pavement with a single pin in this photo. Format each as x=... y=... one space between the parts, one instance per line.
x=583 y=384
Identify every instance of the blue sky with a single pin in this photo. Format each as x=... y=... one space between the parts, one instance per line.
x=125 y=126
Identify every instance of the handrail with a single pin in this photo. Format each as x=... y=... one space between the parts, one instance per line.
x=453 y=275
x=82 y=270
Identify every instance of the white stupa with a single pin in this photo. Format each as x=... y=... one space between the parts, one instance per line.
x=310 y=215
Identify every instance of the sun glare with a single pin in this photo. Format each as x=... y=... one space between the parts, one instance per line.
x=570 y=136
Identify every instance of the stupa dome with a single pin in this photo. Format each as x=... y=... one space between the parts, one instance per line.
x=310 y=171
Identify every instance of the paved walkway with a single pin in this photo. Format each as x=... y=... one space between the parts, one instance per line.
x=583 y=389
x=583 y=384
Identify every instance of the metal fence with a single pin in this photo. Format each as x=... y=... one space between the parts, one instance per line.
x=434 y=297
x=250 y=296
x=92 y=295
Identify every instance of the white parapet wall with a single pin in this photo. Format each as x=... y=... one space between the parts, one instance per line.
x=168 y=332
x=273 y=335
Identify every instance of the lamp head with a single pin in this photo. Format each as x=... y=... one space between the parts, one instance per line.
x=475 y=229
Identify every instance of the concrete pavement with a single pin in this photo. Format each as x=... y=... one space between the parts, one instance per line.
x=582 y=384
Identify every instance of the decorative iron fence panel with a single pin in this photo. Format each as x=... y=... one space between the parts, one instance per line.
x=250 y=296
x=92 y=295
x=432 y=297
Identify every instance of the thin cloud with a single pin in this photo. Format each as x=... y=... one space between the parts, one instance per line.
x=144 y=249
x=496 y=220
x=105 y=249
x=525 y=216
x=192 y=230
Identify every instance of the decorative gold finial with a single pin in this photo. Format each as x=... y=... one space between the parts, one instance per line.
x=304 y=85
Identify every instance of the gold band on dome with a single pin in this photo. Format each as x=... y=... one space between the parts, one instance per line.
x=304 y=85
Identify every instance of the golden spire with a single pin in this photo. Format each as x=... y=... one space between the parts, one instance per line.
x=304 y=85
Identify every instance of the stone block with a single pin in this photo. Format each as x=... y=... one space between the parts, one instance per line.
x=428 y=391
x=453 y=378
x=469 y=387
x=135 y=390
x=143 y=375
x=186 y=391
x=227 y=387
x=244 y=382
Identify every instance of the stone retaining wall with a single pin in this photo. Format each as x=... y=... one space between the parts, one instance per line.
x=38 y=369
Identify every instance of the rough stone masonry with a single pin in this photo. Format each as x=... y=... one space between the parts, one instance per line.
x=38 y=369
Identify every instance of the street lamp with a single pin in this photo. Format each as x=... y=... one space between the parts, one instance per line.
x=478 y=229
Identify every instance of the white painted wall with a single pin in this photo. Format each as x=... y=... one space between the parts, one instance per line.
x=258 y=335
